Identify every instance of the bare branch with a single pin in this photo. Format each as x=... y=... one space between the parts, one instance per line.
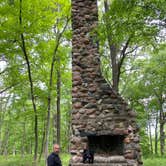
x=59 y=37
x=125 y=47
x=7 y=88
x=123 y=53
x=131 y=51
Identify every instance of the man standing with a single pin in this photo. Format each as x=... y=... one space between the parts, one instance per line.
x=54 y=159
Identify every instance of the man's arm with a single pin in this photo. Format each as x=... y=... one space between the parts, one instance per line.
x=58 y=161
x=50 y=161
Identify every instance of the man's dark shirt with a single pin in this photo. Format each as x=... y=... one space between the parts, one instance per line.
x=53 y=160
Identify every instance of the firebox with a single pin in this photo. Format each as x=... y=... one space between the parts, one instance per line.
x=107 y=144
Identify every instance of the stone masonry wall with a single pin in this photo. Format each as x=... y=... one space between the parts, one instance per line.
x=97 y=109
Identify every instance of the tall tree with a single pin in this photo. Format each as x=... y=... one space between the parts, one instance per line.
x=26 y=35
x=59 y=32
x=148 y=84
x=24 y=50
x=128 y=26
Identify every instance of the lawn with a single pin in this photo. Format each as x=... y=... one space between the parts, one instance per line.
x=27 y=161
x=155 y=162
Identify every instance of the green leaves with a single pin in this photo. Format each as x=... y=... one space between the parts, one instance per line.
x=132 y=19
x=41 y=23
x=146 y=89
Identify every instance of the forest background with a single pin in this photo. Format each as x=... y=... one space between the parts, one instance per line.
x=36 y=75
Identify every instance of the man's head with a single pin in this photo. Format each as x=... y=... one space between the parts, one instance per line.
x=56 y=148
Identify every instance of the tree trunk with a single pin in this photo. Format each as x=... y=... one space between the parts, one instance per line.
x=55 y=128
x=48 y=113
x=23 y=139
x=30 y=147
x=113 y=54
x=156 y=135
x=69 y=125
x=59 y=35
x=115 y=70
x=1 y=119
x=5 y=142
x=3 y=109
x=162 y=138
x=14 y=149
x=43 y=139
x=150 y=135
x=23 y=47
x=162 y=121
x=116 y=62
x=150 y=139
x=49 y=101
x=58 y=102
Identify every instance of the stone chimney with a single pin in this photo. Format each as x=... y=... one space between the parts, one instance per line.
x=101 y=118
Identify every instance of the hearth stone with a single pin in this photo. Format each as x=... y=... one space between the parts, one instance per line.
x=109 y=161
x=101 y=164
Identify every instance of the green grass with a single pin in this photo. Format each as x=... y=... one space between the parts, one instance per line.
x=155 y=161
x=15 y=161
x=27 y=161
x=65 y=159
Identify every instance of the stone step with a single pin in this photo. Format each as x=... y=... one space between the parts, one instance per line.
x=109 y=159
x=100 y=164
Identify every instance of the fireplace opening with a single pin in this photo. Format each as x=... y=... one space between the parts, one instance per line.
x=106 y=144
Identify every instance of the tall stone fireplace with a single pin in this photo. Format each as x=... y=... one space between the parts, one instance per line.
x=101 y=119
